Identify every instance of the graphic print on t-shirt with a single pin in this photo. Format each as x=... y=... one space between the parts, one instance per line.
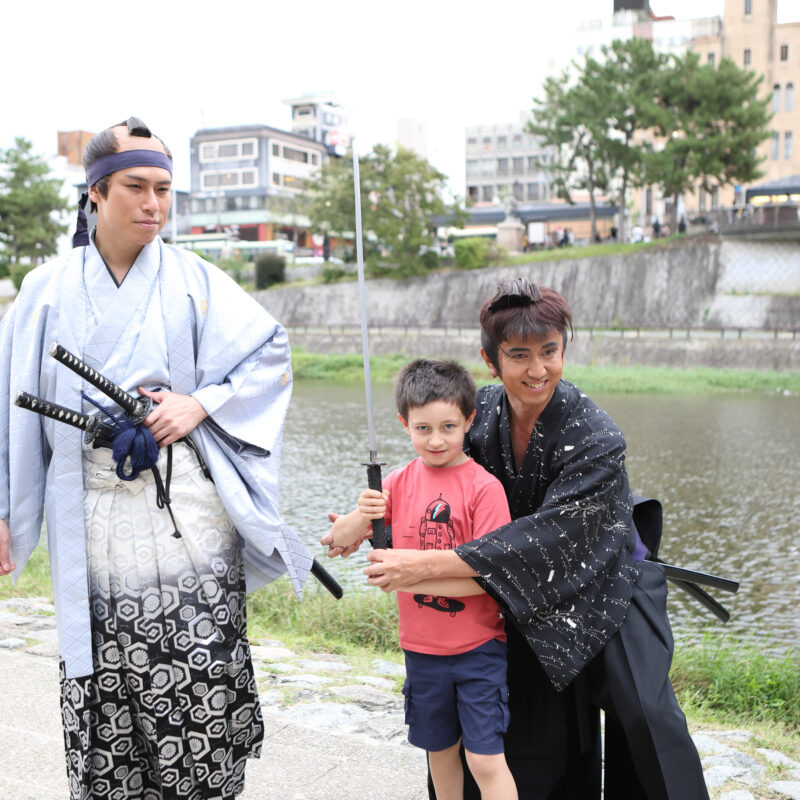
x=436 y=531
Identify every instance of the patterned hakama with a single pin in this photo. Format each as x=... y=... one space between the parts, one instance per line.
x=171 y=711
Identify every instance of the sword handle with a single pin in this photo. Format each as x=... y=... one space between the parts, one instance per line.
x=137 y=408
x=94 y=427
x=326 y=579
x=378 y=525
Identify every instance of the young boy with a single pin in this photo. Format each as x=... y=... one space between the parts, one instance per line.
x=451 y=632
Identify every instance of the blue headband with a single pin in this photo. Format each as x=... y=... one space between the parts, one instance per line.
x=125 y=159
x=105 y=166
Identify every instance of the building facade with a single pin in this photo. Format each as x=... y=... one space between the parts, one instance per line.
x=322 y=118
x=245 y=180
x=501 y=163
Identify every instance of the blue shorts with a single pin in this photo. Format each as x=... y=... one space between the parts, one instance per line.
x=464 y=696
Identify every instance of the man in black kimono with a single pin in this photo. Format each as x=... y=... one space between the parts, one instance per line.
x=588 y=624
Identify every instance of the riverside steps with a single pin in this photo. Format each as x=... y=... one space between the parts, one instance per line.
x=333 y=731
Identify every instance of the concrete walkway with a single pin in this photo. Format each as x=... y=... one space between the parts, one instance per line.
x=297 y=762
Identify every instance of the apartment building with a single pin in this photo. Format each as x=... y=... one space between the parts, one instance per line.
x=244 y=178
x=501 y=163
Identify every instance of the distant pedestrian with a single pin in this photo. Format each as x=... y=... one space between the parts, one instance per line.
x=656 y=228
x=682 y=225
x=614 y=233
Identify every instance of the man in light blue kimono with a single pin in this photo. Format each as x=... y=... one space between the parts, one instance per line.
x=158 y=693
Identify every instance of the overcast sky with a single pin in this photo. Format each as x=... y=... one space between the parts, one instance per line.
x=186 y=64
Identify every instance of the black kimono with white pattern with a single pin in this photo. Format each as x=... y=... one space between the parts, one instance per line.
x=561 y=569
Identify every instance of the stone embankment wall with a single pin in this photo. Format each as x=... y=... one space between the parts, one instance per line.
x=713 y=283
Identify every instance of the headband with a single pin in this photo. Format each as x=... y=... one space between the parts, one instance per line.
x=105 y=166
x=123 y=160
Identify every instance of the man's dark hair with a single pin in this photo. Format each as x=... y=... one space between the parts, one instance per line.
x=521 y=308
x=423 y=381
x=105 y=143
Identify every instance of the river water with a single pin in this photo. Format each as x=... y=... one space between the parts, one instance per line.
x=725 y=468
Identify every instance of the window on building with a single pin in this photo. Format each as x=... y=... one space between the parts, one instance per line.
x=789 y=97
x=502 y=166
x=276 y=179
x=748 y=56
x=748 y=6
x=533 y=191
x=784 y=52
x=532 y=164
x=487 y=142
x=293 y=154
x=229 y=149
x=248 y=149
x=487 y=167
x=502 y=142
x=715 y=197
x=276 y=149
x=486 y=194
x=775 y=146
x=701 y=199
x=517 y=140
x=472 y=141
x=207 y=152
x=519 y=191
x=787 y=145
x=711 y=58
x=776 y=97
x=518 y=166
x=473 y=168
x=314 y=158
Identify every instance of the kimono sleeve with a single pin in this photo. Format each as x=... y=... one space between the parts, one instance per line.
x=6 y=327
x=546 y=559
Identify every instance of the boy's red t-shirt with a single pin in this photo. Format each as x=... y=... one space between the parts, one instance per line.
x=440 y=508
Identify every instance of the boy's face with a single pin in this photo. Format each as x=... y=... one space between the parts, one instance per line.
x=437 y=432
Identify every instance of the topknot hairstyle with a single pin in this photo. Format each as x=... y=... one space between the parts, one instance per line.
x=521 y=308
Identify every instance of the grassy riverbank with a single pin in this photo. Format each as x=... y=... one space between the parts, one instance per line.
x=719 y=681
x=592 y=380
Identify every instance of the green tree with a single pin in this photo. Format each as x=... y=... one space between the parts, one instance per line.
x=625 y=82
x=711 y=122
x=30 y=204
x=401 y=194
x=570 y=119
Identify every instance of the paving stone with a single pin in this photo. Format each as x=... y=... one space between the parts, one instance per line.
x=737 y=794
x=706 y=744
x=325 y=666
x=786 y=789
x=327 y=716
x=379 y=683
x=384 y=667
x=716 y=776
x=46 y=649
x=735 y=735
x=774 y=757
x=12 y=643
x=275 y=652
x=10 y=618
x=369 y=697
x=278 y=667
x=305 y=680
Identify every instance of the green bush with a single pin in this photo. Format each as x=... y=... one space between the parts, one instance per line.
x=5 y=267
x=331 y=273
x=430 y=259
x=472 y=253
x=270 y=269
x=235 y=267
x=18 y=272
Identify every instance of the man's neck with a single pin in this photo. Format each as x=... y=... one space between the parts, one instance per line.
x=118 y=259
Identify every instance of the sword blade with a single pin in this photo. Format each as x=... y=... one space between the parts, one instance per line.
x=373 y=467
x=136 y=408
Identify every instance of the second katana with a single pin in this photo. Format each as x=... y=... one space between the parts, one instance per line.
x=373 y=466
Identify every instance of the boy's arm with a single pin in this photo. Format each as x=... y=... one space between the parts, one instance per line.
x=347 y=530
x=445 y=587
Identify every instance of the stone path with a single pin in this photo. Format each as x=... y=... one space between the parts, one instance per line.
x=334 y=729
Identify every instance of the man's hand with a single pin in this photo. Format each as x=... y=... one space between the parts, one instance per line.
x=327 y=540
x=173 y=417
x=6 y=567
x=391 y=569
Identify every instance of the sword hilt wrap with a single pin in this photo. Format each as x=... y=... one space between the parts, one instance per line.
x=378 y=525
x=137 y=408
x=97 y=431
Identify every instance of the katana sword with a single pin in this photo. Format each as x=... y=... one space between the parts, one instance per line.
x=693 y=576
x=98 y=432
x=373 y=467
x=101 y=433
x=136 y=408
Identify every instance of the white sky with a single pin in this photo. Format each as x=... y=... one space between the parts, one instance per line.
x=186 y=64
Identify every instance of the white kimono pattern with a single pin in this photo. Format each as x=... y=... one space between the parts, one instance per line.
x=178 y=323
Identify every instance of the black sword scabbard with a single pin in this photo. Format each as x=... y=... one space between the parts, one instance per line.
x=137 y=408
